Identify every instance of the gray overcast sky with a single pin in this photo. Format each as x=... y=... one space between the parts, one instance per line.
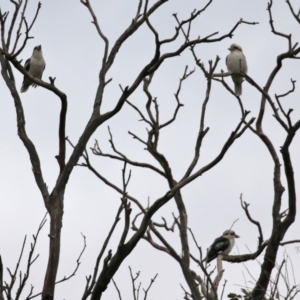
x=73 y=53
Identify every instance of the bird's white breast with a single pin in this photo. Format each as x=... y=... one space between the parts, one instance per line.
x=231 y=244
x=236 y=62
x=36 y=67
x=37 y=64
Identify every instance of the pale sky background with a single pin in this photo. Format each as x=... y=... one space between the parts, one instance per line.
x=73 y=53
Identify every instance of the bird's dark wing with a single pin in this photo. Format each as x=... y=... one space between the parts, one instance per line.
x=27 y=64
x=27 y=67
x=219 y=245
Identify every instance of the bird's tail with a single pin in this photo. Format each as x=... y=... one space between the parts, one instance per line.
x=24 y=88
x=238 y=89
x=25 y=85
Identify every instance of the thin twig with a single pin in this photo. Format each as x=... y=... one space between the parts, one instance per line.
x=119 y=293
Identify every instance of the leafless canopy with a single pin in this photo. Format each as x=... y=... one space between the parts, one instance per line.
x=142 y=224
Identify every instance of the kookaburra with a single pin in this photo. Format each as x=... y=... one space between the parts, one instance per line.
x=221 y=245
x=35 y=66
x=236 y=63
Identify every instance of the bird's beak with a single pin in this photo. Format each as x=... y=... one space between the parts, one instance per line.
x=237 y=236
x=39 y=47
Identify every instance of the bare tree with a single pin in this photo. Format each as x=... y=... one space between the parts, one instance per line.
x=281 y=219
x=150 y=114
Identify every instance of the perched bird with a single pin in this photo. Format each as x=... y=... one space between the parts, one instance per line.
x=221 y=245
x=236 y=63
x=35 y=66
